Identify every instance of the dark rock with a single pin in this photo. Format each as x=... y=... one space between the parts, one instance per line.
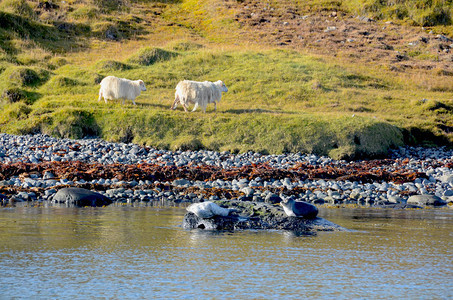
x=384 y=46
x=80 y=197
x=46 y=5
x=444 y=38
x=3 y=200
x=319 y=201
x=272 y=199
x=400 y=57
x=245 y=198
x=255 y=215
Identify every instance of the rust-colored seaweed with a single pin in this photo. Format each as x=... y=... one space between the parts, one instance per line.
x=366 y=171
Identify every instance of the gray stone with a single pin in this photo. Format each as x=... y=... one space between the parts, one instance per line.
x=50 y=192
x=23 y=195
x=426 y=200
x=248 y=191
x=395 y=199
x=448 y=193
x=446 y=178
x=272 y=198
x=180 y=182
x=80 y=197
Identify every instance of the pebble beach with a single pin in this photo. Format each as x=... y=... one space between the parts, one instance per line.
x=34 y=167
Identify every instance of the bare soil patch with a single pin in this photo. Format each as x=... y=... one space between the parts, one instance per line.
x=356 y=38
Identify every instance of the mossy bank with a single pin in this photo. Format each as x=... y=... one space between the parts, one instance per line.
x=283 y=96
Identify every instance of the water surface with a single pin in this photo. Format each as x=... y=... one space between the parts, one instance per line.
x=142 y=252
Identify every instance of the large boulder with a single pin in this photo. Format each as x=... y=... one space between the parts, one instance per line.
x=80 y=197
x=256 y=215
x=426 y=200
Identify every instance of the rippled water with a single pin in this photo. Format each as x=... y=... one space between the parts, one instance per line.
x=142 y=252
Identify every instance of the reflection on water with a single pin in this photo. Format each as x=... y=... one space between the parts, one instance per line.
x=142 y=252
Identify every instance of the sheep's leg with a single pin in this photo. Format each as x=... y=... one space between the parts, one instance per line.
x=195 y=107
x=215 y=106
x=175 y=103
x=185 y=107
x=133 y=102
x=124 y=100
x=100 y=97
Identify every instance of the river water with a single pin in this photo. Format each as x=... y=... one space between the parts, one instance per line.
x=124 y=252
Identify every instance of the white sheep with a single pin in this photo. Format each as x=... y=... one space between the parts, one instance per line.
x=199 y=93
x=120 y=88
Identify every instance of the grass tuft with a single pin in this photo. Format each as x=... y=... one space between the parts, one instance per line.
x=149 y=56
x=112 y=65
x=71 y=123
x=184 y=46
x=27 y=77
x=18 y=7
x=13 y=94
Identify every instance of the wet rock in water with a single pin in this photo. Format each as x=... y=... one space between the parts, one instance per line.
x=256 y=215
x=3 y=200
x=80 y=197
x=425 y=200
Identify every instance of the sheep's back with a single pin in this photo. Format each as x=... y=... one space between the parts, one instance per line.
x=110 y=87
x=189 y=91
x=128 y=89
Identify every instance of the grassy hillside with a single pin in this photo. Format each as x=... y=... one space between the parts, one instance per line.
x=339 y=78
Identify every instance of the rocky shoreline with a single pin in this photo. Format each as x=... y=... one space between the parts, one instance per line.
x=34 y=167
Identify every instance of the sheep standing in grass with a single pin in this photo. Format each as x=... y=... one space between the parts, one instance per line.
x=120 y=88
x=199 y=93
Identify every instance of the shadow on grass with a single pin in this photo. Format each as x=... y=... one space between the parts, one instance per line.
x=417 y=136
x=152 y=105
x=247 y=111
x=255 y=110
x=46 y=36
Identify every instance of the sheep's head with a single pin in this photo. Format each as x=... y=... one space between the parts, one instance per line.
x=222 y=85
x=142 y=85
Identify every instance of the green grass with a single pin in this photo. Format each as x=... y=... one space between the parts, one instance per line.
x=416 y=12
x=278 y=100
